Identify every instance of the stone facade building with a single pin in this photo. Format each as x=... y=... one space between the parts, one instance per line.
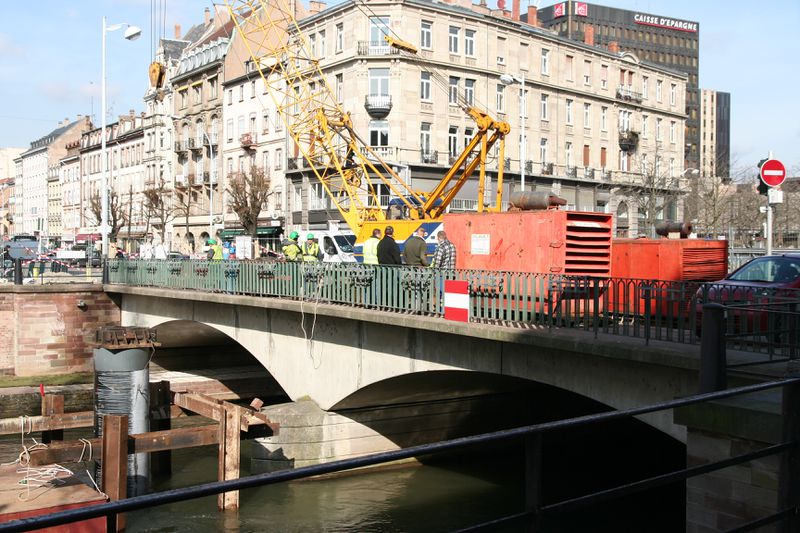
x=71 y=199
x=7 y=177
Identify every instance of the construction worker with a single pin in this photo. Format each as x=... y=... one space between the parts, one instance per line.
x=371 y=248
x=291 y=250
x=311 y=249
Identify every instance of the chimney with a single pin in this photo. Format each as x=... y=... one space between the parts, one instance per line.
x=588 y=35
x=613 y=47
x=533 y=16
x=515 y=10
x=177 y=31
x=207 y=16
x=315 y=6
x=66 y=121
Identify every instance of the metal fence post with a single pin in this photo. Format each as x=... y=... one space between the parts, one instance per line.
x=789 y=480
x=18 y=271
x=533 y=478
x=713 y=358
x=105 y=271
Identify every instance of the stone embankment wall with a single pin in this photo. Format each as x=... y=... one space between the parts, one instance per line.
x=46 y=329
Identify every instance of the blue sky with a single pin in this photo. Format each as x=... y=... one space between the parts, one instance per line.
x=54 y=72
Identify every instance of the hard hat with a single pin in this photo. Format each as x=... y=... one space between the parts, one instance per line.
x=212 y=241
x=293 y=235
x=310 y=236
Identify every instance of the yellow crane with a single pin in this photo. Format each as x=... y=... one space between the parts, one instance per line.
x=323 y=135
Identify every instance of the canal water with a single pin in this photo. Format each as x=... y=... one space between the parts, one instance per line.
x=442 y=494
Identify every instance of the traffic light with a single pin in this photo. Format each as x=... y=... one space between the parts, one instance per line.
x=763 y=188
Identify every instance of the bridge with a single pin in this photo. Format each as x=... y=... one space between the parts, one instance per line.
x=364 y=361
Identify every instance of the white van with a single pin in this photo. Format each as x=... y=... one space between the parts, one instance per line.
x=336 y=245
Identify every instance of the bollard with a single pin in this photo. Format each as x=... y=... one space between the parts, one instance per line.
x=18 y=271
x=105 y=271
x=713 y=359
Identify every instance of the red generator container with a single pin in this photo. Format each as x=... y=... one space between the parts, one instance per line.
x=664 y=261
x=564 y=243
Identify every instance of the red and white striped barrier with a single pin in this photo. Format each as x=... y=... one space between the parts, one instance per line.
x=456 y=300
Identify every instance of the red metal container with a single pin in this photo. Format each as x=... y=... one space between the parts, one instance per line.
x=553 y=241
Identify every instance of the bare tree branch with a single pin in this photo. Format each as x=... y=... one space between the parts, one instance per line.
x=158 y=208
x=116 y=213
x=248 y=193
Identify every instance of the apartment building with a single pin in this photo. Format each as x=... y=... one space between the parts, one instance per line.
x=71 y=199
x=54 y=204
x=715 y=140
x=197 y=115
x=37 y=164
x=597 y=121
x=7 y=177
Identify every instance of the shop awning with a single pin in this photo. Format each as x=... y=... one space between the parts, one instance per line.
x=90 y=237
x=268 y=231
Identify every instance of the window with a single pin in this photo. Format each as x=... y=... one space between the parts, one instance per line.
x=468 y=134
x=241 y=163
x=568 y=155
x=469 y=91
x=379 y=133
x=569 y=111
x=278 y=122
x=645 y=125
x=672 y=132
x=569 y=68
x=240 y=126
x=452 y=141
x=230 y=96
x=624 y=162
x=425 y=138
x=658 y=90
x=658 y=129
x=604 y=118
x=671 y=167
x=339 y=87
x=673 y=94
x=453 y=90
x=603 y=157
x=339 y=38
x=265 y=161
x=587 y=72
x=587 y=115
x=184 y=95
x=312 y=42
x=501 y=51
x=212 y=88
x=322 y=49
x=197 y=93
x=545 y=61
x=604 y=76
x=279 y=159
x=624 y=120
x=586 y=155
x=229 y=129
x=265 y=122
x=252 y=123
x=253 y=89
x=425 y=34
x=425 y=86
x=453 y=39
x=543 y=150
x=501 y=97
x=379 y=82
x=544 y=107
x=469 y=42
x=645 y=87
x=230 y=166
x=241 y=93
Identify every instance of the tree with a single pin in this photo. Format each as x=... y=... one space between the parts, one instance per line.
x=248 y=193
x=183 y=208
x=654 y=191
x=116 y=213
x=157 y=207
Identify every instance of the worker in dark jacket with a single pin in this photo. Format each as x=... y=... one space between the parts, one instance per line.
x=414 y=249
x=388 y=251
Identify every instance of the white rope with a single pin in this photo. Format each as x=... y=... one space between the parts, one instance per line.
x=86 y=443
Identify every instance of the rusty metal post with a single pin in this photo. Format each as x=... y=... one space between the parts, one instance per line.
x=52 y=404
x=533 y=479
x=115 y=464
x=713 y=358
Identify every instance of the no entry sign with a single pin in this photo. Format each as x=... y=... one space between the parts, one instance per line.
x=773 y=172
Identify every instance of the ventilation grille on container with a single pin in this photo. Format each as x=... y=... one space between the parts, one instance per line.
x=588 y=244
x=706 y=263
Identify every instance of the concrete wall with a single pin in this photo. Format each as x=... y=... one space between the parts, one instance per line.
x=329 y=353
x=42 y=330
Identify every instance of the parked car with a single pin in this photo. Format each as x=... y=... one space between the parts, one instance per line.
x=763 y=287
x=176 y=256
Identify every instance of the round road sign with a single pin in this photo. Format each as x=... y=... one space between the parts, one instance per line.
x=773 y=172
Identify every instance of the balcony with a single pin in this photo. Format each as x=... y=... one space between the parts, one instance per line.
x=628 y=140
x=376 y=48
x=181 y=146
x=196 y=144
x=248 y=140
x=572 y=172
x=547 y=169
x=430 y=157
x=378 y=105
x=528 y=167
x=605 y=174
x=627 y=94
x=384 y=152
x=180 y=180
x=588 y=173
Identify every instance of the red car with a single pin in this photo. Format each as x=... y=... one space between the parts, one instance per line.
x=762 y=295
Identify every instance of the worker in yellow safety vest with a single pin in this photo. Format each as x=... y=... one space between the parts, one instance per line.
x=371 y=248
x=311 y=249
x=291 y=250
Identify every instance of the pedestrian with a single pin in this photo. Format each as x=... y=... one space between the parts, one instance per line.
x=291 y=250
x=311 y=249
x=388 y=251
x=371 y=248
x=415 y=249
x=217 y=247
x=159 y=252
x=445 y=255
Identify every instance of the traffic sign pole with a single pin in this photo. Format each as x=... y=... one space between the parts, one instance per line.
x=772 y=172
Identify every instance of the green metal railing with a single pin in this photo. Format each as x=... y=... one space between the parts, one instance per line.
x=647 y=309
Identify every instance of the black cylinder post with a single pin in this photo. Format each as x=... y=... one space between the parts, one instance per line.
x=18 y=271
x=713 y=359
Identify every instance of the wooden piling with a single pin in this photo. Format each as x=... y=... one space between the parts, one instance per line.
x=115 y=464
x=160 y=420
x=52 y=404
x=229 y=448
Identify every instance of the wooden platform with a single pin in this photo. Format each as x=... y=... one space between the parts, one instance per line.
x=67 y=493
x=233 y=383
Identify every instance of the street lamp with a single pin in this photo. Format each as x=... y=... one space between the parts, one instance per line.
x=131 y=33
x=508 y=79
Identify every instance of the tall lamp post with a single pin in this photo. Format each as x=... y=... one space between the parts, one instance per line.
x=131 y=33
x=508 y=79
